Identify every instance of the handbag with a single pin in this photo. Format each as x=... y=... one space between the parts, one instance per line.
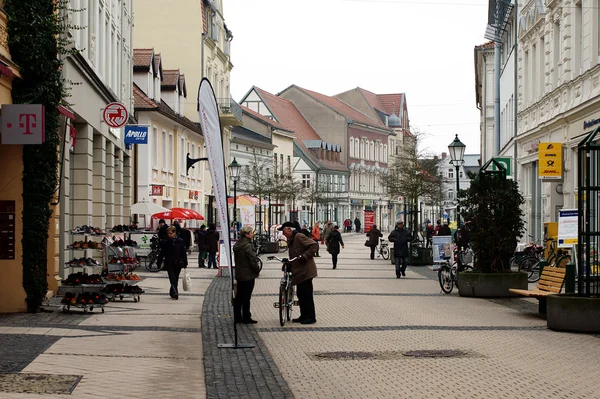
x=187 y=281
x=368 y=243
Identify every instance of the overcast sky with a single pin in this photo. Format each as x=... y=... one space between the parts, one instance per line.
x=423 y=48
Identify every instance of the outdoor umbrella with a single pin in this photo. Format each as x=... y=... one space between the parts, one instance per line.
x=146 y=208
x=192 y=213
x=173 y=214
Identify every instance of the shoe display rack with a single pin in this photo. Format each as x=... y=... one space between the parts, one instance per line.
x=82 y=291
x=120 y=262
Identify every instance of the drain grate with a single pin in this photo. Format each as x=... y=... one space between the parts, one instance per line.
x=38 y=383
x=435 y=353
x=344 y=355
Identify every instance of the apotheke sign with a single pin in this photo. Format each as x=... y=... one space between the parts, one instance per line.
x=136 y=134
x=590 y=123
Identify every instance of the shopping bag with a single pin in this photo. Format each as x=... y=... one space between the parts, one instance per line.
x=187 y=281
x=368 y=243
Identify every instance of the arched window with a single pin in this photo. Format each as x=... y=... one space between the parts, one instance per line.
x=352 y=146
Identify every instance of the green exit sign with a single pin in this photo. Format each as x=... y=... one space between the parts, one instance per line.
x=504 y=161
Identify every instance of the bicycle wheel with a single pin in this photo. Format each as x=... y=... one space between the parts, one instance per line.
x=152 y=262
x=282 y=244
x=282 y=304
x=514 y=265
x=385 y=252
x=562 y=261
x=445 y=278
x=260 y=264
x=527 y=263
x=290 y=302
x=532 y=267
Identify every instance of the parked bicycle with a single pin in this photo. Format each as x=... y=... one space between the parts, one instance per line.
x=152 y=258
x=286 y=290
x=448 y=272
x=282 y=244
x=529 y=259
x=258 y=251
x=383 y=249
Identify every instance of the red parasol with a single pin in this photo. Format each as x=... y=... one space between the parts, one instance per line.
x=192 y=213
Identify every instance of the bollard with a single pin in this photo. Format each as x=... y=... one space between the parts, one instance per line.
x=542 y=300
x=570 y=278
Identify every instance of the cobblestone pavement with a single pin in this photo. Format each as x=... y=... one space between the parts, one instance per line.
x=362 y=307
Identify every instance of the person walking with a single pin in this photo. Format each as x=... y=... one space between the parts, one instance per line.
x=429 y=234
x=327 y=230
x=333 y=244
x=347 y=226
x=374 y=234
x=316 y=236
x=162 y=230
x=444 y=230
x=246 y=272
x=212 y=242
x=357 y=224
x=304 y=270
x=400 y=238
x=174 y=255
x=304 y=230
x=201 y=241
x=438 y=226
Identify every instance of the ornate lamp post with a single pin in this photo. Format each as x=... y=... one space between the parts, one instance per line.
x=234 y=174
x=457 y=155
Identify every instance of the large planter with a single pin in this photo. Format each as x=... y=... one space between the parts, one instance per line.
x=490 y=285
x=570 y=312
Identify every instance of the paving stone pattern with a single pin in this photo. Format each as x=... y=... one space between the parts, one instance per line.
x=17 y=351
x=235 y=373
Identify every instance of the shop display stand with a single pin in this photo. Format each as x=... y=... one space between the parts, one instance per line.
x=121 y=261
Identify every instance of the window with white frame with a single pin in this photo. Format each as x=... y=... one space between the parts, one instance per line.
x=170 y=152
x=450 y=194
x=377 y=152
x=154 y=147
x=372 y=144
x=163 y=161
x=385 y=153
x=450 y=173
x=356 y=148
x=305 y=181
x=192 y=155
x=275 y=162
x=182 y=163
x=362 y=149
x=352 y=146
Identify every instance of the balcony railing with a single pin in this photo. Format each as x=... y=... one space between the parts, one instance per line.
x=229 y=109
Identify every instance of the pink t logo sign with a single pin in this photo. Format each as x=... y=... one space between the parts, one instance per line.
x=29 y=123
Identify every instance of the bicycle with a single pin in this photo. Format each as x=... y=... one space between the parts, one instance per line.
x=152 y=258
x=383 y=249
x=286 y=291
x=257 y=251
x=448 y=273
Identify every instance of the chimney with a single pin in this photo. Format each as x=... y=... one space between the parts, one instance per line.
x=444 y=155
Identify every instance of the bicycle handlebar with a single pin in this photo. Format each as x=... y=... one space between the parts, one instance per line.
x=284 y=260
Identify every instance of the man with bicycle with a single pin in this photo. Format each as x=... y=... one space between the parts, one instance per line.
x=304 y=270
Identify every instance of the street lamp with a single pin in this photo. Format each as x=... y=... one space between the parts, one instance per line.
x=234 y=173
x=457 y=156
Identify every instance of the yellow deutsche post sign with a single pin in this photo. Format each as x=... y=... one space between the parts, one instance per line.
x=550 y=161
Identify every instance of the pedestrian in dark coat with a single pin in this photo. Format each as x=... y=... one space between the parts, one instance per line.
x=444 y=230
x=400 y=237
x=246 y=272
x=173 y=253
x=333 y=244
x=212 y=243
x=162 y=230
x=374 y=234
x=304 y=230
x=201 y=241
x=357 y=224
x=304 y=270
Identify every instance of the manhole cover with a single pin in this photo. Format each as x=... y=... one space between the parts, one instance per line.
x=344 y=355
x=38 y=383
x=435 y=353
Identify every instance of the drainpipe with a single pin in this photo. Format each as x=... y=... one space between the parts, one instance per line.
x=497 y=49
x=516 y=88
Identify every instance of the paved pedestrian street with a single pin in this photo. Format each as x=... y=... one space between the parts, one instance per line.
x=367 y=323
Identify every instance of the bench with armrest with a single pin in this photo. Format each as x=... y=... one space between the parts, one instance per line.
x=551 y=282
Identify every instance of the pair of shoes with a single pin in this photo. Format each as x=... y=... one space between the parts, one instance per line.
x=334 y=266
x=176 y=297
x=397 y=276
x=308 y=321
x=250 y=321
x=403 y=274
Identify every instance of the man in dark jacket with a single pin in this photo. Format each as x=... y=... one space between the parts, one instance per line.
x=172 y=252
x=304 y=270
x=212 y=243
x=444 y=230
x=334 y=241
x=246 y=272
x=357 y=224
x=201 y=241
x=162 y=230
x=374 y=235
x=400 y=238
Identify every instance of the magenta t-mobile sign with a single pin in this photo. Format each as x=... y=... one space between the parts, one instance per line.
x=23 y=124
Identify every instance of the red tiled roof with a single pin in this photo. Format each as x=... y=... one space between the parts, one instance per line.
x=141 y=101
x=372 y=99
x=392 y=103
x=204 y=25
x=343 y=109
x=265 y=119
x=489 y=44
x=287 y=113
x=170 y=78
x=142 y=57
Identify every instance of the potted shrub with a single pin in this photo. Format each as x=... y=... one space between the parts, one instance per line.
x=492 y=206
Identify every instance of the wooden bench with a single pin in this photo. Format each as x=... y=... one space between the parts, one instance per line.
x=551 y=282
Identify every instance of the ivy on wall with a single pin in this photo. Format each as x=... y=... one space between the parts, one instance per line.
x=34 y=37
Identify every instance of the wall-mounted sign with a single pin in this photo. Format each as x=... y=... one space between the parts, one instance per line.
x=7 y=229
x=590 y=123
x=568 y=227
x=157 y=190
x=23 y=124
x=550 y=161
x=115 y=115
x=136 y=134
x=505 y=162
